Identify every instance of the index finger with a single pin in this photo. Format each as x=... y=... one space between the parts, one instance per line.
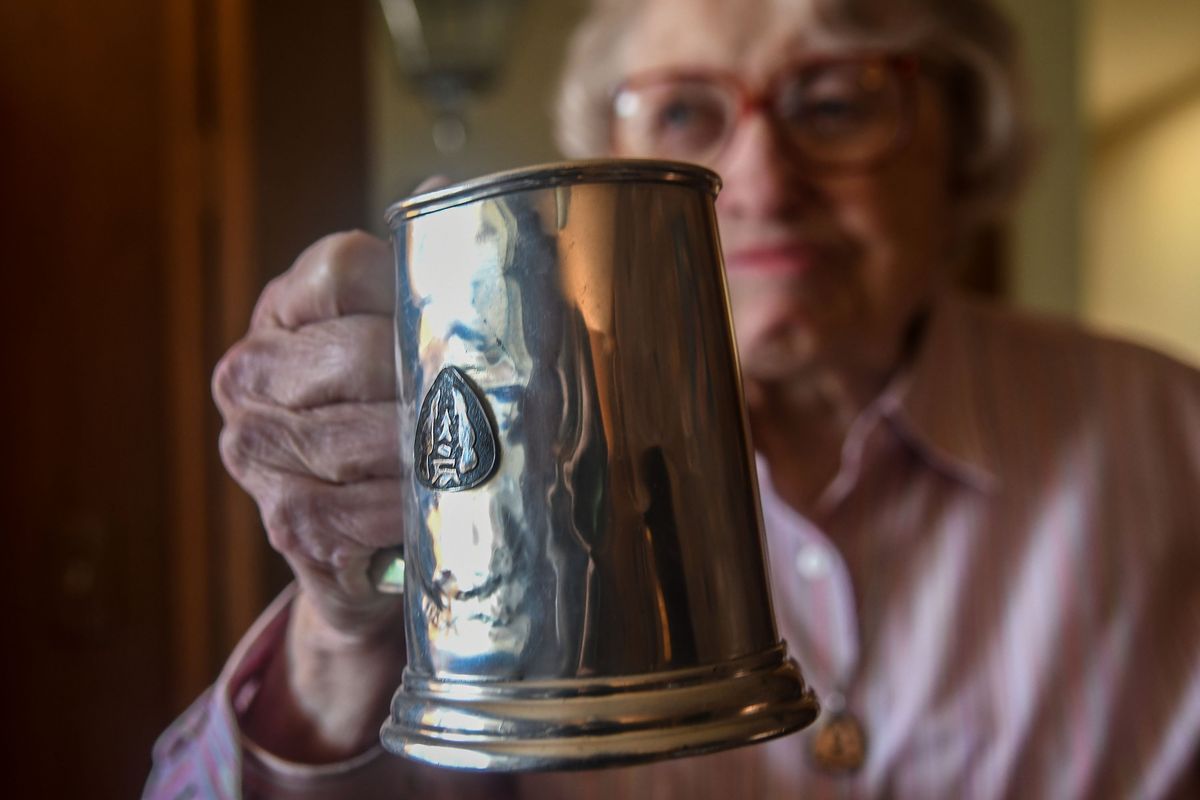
x=339 y=275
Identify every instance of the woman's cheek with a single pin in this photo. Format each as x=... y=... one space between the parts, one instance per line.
x=773 y=337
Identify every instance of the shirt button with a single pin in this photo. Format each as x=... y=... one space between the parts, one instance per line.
x=812 y=562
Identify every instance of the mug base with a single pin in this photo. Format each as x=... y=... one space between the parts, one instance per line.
x=587 y=723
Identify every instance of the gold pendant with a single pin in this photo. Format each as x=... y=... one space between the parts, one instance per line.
x=839 y=745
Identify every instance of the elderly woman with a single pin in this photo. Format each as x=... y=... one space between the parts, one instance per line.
x=983 y=528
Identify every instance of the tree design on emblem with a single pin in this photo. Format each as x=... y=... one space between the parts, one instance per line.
x=456 y=446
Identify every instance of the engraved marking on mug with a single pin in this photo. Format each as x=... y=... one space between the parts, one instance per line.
x=455 y=447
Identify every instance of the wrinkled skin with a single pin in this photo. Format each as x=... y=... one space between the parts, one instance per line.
x=308 y=398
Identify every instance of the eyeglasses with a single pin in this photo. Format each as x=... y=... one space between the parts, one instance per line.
x=836 y=113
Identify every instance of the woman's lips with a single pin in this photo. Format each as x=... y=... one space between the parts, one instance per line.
x=782 y=259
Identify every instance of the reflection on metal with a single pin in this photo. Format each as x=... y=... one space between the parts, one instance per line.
x=386 y=571
x=601 y=597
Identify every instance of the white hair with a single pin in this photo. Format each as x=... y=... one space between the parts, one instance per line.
x=970 y=43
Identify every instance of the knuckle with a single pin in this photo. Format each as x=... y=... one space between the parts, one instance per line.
x=349 y=468
x=336 y=449
x=379 y=338
x=280 y=518
x=244 y=439
x=317 y=285
x=341 y=261
x=342 y=555
x=371 y=354
x=233 y=377
x=354 y=447
x=358 y=343
x=342 y=471
x=264 y=308
x=224 y=380
x=335 y=257
x=346 y=243
x=231 y=450
x=355 y=359
x=303 y=523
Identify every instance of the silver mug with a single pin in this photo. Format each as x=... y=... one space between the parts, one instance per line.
x=584 y=566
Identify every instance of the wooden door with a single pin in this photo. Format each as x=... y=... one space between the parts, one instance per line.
x=85 y=387
x=144 y=148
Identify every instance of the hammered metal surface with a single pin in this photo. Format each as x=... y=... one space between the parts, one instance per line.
x=618 y=533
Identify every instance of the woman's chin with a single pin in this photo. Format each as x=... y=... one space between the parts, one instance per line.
x=782 y=355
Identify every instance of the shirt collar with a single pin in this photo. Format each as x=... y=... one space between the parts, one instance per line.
x=933 y=404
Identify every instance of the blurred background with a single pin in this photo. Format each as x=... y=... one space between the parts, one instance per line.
x=161 y=160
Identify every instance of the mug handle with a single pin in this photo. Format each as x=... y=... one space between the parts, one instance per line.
x=386 y=571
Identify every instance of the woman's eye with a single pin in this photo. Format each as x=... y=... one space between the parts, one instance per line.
x=685 y=124
x=830 y=114
x=835 y=109
x=834 y=101
x=679 y=114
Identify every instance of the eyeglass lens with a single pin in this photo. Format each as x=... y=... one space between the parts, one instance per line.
x=837 y=113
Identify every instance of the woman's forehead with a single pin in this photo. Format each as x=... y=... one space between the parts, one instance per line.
x=748 y=36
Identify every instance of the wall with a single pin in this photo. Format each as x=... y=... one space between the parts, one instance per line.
x=1047 y=239
x=1143 y=223
x=1142 y=243
x=83 y=514
x=510 y=128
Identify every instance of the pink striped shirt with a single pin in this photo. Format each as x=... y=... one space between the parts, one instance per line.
x=1003 y=581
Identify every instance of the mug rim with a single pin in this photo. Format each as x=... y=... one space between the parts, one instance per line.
x=561 y=173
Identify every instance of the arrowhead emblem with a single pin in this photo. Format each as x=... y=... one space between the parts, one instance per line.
x=456 y=444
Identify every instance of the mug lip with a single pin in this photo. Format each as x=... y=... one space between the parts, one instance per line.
x=561 y=173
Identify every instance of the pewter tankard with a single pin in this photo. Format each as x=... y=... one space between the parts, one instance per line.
x=584 y=567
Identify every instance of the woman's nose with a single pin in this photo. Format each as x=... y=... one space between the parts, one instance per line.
x=761 y=176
